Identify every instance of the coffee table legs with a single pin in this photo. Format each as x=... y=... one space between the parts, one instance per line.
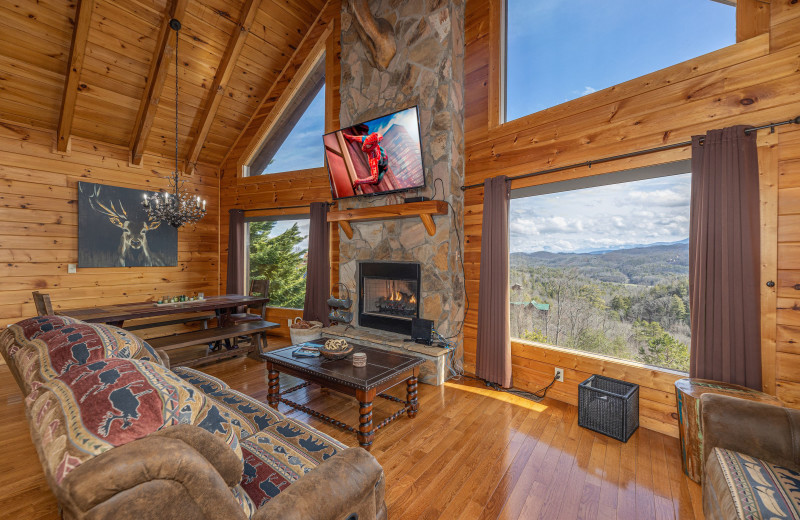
x=366 y=428
x=274 y=387
x=411 y=397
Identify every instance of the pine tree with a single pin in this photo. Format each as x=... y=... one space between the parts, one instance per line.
x=275 y=259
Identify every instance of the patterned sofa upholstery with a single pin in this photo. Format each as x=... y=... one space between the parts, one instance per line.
x=752 y=461
x=120 y=435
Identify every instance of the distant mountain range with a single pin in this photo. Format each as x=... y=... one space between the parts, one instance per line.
x=649 y=264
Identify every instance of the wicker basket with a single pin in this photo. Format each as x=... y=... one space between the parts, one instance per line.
x=609 y=406
x=302 y=335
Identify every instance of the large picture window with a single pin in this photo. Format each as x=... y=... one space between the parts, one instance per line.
x=278 y=252
x=559 y=51
x=602 y=265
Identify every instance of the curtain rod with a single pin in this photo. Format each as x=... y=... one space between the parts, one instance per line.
x=283 y=207
x=795 y=121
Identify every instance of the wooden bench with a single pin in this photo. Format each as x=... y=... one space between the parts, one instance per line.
x=255 y=329
x=179 y=320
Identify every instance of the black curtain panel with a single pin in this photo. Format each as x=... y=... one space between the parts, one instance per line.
x=318 y=275
x=236 y=252
x=724 y=258
x=493 y=360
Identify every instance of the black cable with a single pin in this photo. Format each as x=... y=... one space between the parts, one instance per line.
x=454 y=220
x=533 y=396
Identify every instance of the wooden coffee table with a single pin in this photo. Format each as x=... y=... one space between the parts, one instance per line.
x=383 y=371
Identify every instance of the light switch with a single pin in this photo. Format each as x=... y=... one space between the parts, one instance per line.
x=72 y=268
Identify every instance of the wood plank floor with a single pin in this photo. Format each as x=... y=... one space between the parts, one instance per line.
x=471 y=453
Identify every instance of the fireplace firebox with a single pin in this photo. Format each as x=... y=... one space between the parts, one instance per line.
x=389 y=295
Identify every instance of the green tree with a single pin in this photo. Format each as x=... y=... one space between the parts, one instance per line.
x=658 y=348
x=535 y=335
x=278 y=260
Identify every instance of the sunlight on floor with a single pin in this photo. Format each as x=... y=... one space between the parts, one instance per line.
x=502 y=396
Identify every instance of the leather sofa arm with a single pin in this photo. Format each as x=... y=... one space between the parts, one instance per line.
x=350 y=482
x=764 y=431
x=186 y=457
x=216 y=452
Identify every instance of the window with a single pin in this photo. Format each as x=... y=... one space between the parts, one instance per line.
x=278 y=252
x=601 y=264
x=295 y=141
x=559 y=51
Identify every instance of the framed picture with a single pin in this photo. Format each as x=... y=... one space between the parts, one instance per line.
x=114 y=230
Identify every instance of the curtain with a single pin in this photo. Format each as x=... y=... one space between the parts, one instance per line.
x=724 y=258
x=235 y=279
x=318 y=275
x=493 y=359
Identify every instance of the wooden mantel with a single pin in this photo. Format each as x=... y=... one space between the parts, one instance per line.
x=424 y=210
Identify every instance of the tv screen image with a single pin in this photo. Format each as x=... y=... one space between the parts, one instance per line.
x=376 y=157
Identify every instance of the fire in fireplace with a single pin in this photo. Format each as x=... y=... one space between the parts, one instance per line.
x=388 y=295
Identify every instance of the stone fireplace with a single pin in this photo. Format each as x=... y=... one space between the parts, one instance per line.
x=388 y=295
x=426 y=71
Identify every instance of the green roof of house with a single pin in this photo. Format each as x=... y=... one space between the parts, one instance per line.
x=540 y=306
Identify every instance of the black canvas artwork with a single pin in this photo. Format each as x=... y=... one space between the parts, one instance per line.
x=114 y=230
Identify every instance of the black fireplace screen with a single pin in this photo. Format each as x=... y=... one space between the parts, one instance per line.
x=393 y=298
x=389 y=294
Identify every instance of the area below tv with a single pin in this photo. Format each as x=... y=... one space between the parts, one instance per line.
x=424 y=210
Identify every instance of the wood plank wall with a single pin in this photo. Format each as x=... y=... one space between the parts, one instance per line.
x=753 y=82
x=288 y=188
x=39 y=219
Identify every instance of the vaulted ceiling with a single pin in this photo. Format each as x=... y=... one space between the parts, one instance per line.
x=103 y=69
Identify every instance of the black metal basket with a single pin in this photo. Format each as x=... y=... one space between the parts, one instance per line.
x=609 y=406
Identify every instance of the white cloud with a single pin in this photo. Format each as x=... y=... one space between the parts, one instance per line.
x=587 y=90
x=606 y=217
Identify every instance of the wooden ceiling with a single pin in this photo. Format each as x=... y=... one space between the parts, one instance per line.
x=103 y=69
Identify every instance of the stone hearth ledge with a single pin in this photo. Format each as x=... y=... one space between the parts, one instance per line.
x=433 y=372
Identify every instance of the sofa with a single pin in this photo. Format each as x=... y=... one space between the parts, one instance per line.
x=752 y=459
x=121 y=435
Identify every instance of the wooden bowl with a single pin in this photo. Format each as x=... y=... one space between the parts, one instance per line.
x=335 y=354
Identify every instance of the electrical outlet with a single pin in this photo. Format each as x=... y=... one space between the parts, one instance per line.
x=560 y=374
x=72 y=268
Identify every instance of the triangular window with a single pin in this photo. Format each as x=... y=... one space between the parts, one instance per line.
x=295 y=141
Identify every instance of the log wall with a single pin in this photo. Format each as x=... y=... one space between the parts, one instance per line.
x=39 y=225
x=752 y=82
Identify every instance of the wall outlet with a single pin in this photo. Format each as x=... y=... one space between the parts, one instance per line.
x=72 y=268
x=560 y=374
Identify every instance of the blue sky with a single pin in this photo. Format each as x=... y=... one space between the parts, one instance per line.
x=604 y=217
x=560 y=50
x=303 y=146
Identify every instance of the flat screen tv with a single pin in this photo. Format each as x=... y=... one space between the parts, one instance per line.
x=376 y=157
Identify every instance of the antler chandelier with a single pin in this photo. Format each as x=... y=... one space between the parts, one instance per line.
x=175 y=206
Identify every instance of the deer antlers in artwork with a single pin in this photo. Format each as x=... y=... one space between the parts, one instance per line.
x=376 y=33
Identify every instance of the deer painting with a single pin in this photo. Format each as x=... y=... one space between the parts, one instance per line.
x=130 y=247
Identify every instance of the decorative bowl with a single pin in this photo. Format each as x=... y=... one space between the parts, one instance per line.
x=335 y=349
x=335 y=354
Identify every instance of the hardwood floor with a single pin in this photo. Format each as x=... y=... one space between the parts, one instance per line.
x=471 y=453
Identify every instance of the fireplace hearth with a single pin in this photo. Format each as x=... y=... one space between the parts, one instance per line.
x=389 y=295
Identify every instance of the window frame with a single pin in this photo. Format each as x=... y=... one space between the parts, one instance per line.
x=498 y=46
x=652 y=171
x=267 y=216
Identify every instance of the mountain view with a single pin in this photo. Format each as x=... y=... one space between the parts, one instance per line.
x=595 y=283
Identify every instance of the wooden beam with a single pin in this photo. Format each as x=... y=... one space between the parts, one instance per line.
x=162 y=58
x=221 y=78
x=286 y=68
x=752 y=18
x=80 y=34
x=424 y=210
